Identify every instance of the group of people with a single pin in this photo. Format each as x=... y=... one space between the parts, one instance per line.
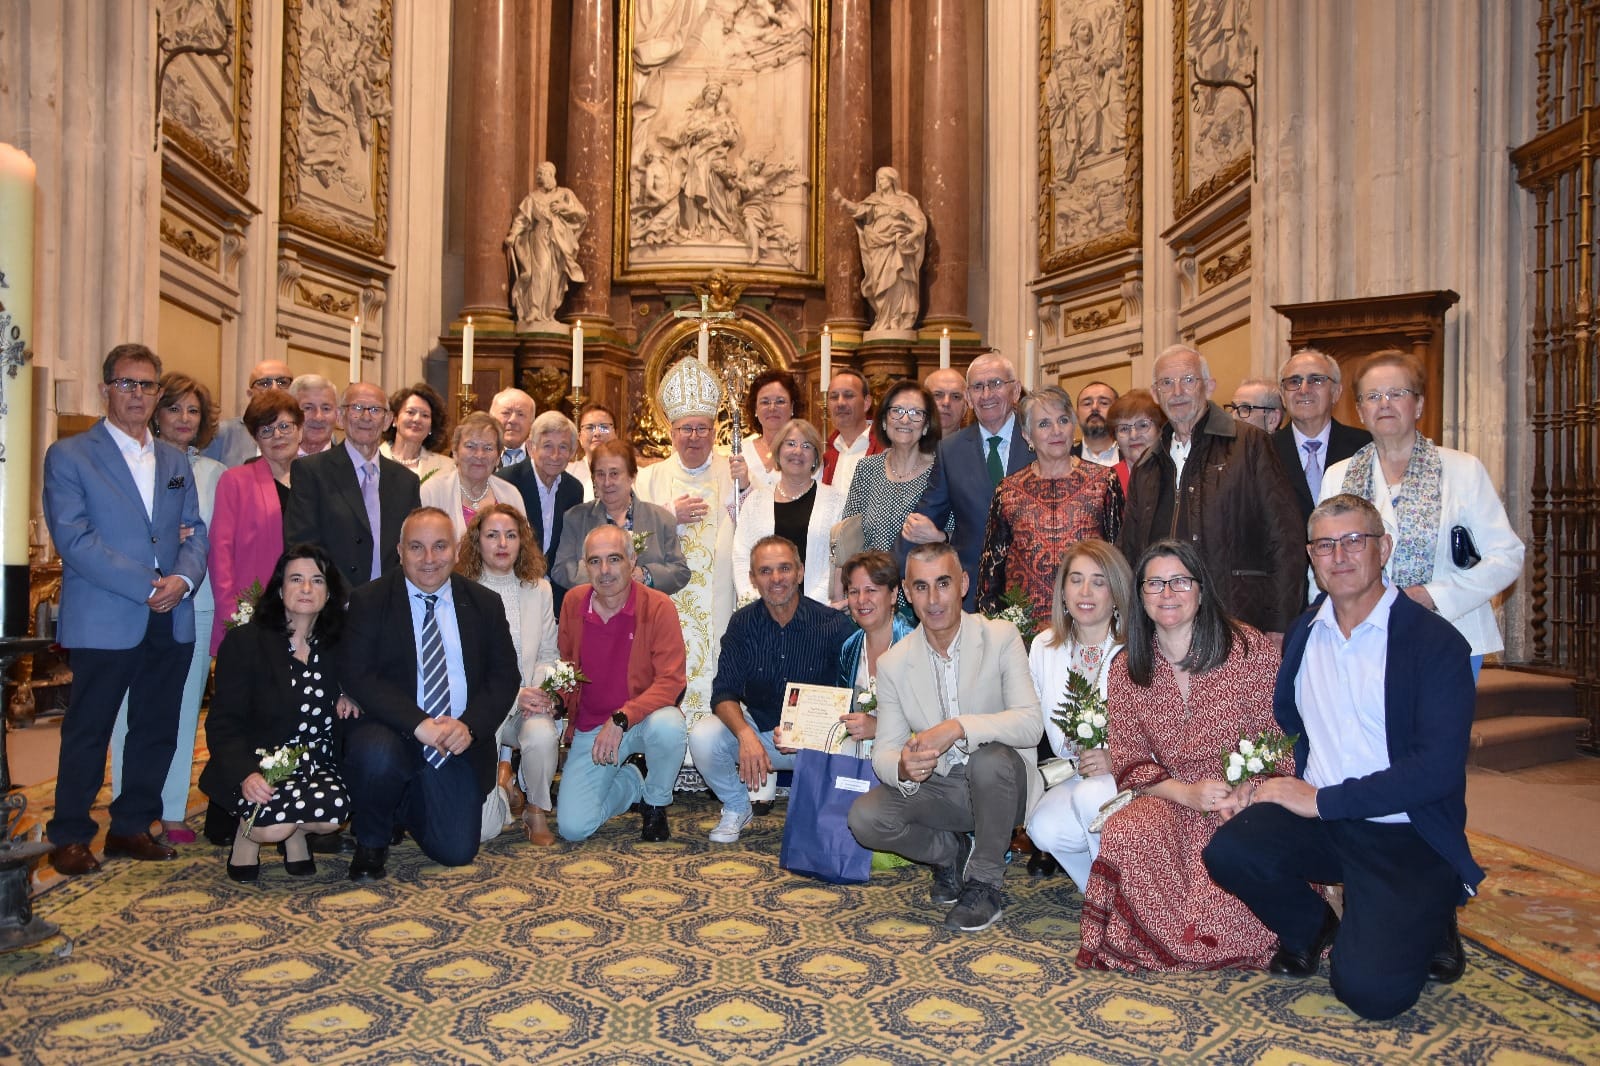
x=558 y=596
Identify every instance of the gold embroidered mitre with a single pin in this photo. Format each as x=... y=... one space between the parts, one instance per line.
x=689 y=389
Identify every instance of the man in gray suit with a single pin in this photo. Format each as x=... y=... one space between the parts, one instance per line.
x=125 y=516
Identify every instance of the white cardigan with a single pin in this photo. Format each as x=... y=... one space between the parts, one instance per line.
x=1049 y=664
x=1467 y=498
x=443 y=490
x=756 y=520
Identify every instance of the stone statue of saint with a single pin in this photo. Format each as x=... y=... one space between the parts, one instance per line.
x=542 y=249
x=893 y=233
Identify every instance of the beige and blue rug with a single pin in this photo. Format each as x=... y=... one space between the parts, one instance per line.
x=615 y=951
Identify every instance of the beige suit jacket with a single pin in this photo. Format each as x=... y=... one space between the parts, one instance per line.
x=995 y=698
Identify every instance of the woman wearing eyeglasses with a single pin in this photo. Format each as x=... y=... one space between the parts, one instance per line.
x=472 y=484
x=1437 y=503
x=1191 y=682
x=886 y=486
x=1136 y=419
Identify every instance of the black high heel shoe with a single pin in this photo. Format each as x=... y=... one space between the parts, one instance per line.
x=243 y=873
x=297 y=867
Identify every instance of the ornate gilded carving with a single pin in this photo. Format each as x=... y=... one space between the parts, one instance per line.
x=1090 y=130
x=721 y=290
x=326 y=301
x=187 y=242
x=1211 y=131
x=1225 y=266
x=206 y=103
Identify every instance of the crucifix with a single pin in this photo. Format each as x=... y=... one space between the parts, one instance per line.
x=705 y=316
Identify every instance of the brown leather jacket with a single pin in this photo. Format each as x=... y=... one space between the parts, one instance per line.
x=1237 y=508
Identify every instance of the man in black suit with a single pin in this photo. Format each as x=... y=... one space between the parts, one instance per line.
x=969 y=465
x=427 y=656
x=350 y=500
x=1312 y=441
x=548 y=491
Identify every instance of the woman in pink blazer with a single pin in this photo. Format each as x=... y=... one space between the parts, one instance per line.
x=247 y=523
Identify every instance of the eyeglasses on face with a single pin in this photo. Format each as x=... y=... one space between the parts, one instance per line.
x=693 y=432
x=598 y=427
x=371 y=410
x=1245 y=410
x=908 y=414
x=1155 y=586
x=1143 y=425
x=1296 y=382
x=978 y=388
x=149 y=388
x=280 y=382
x=1188 y=381
x=1376 y=396
x=1352 y=543
x=277 y=429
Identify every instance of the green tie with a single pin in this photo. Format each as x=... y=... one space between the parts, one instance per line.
x=997 y=469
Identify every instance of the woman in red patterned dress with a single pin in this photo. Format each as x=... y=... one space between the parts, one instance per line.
x=1044 y=508
x=1191 y=683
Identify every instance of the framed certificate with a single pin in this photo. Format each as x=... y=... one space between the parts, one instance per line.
x=810 y=717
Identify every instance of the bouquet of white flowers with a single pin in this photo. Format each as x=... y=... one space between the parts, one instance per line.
x=563 y=678
x=867 y=702
x=1256 y=757
x=246 y=606
x=1015 y=608
x=277 y=766
x=640 y=538
x=1082 y=714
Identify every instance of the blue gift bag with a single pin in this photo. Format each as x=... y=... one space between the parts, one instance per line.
x=816 y=833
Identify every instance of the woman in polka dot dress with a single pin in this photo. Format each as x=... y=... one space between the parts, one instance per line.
x=277 y=685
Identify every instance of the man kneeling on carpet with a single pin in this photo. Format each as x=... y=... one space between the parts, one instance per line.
x=1379 y=691
x=428 y=657
x=626 y=639
x=957 y=746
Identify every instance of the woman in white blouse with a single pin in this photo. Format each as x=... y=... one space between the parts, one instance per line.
x=501 y=553
x=1093 y=590
x=471 y=485
x=798 y=507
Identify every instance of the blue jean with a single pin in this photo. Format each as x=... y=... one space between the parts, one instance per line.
x=716 y=755
x=592 y=794
x=391 y=784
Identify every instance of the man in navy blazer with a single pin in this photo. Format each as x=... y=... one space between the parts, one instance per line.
x=548 y=491
x=968 y=466
x=125 y=516
x=1309 y=382
x=391 y=762
x=1378 y=692
x=328 y=504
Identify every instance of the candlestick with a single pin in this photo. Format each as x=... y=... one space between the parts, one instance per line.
x=944 y=350
x=466 y=352
x=577 y=355
x=704 y=349
x=355 y=349
x=18 y=181
x=827 y=359
x=1030 y=362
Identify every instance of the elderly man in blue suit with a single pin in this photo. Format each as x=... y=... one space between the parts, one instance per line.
x=967 y=468
x=125 y=516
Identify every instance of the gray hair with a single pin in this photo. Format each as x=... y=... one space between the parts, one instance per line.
x=627 y=540
x=1328 y=361
x=308 y=382
x=1050 y=394
x=1346 y=503
x=553 y=422
x=1187 y=349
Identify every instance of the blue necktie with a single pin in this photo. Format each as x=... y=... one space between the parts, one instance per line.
x=435 y=677
x=1313 y=467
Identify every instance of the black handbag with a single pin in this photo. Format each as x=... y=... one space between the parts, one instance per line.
x=1463 y=552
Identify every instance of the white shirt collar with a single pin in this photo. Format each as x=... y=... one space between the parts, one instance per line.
x=128 y=444
x=1377 y=618
x=1300 y=438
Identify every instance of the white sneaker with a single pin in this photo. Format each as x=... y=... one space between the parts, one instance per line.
x=727 y=830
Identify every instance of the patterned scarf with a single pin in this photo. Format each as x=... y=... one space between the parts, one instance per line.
x=1416 y=509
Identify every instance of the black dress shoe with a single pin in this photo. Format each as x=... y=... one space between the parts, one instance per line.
x=1449 y=962
x=367 y=863
x=244 y=875
x=1043 y=864
x=762 y=808
x=654 y=828
x=141 y=846
x=1286 y=963
x=74 y=859
x=297 y=867
x=395 y=837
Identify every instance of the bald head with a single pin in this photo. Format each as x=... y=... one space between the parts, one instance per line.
x=270 y=374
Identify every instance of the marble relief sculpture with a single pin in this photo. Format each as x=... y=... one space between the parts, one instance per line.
x=346 y=88
x=1084 y=111
x=542 y=249
x=893 y=235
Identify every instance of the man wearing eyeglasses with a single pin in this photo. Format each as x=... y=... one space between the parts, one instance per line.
x=1214 y=482
x=597 y=424
x=968 y=466
x=117 y=502
x=1255 y=401
x=1313 y=440
x=1378 y=692
x=233 y=443
x=349 y=499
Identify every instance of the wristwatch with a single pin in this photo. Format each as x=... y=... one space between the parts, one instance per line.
x=620 y=720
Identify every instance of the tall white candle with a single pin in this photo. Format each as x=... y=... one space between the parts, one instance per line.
x=577 y=355
x=944 y=350
x=355 y=349
x=466 y=353
x=827 y=359
x=18 y=180
x=1030 y=363
x=704 y=348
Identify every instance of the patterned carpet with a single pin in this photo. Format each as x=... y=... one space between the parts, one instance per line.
x=615 y=951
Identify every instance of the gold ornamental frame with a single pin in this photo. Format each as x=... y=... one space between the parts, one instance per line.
x=231 y=168
x=662 y=351
x=1186 y=200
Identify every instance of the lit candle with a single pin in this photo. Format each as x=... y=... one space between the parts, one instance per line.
x=1030 y=370
x=704 y=350
x=577 y=355
x=827 y=359
x=944 y=350
x=466 y=353
x=355 y=349
x=18 y=180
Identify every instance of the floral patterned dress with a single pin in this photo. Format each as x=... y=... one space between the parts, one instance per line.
x=1151 y=905
x=315 y=792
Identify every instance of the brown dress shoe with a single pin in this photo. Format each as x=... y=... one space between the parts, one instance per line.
x=74 y=859
x=508 y=781
x=141 y=846
x=537 y=825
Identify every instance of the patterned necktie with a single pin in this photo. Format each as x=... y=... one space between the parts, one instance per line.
x=997 y=469
x=435 y=677
x=369 y=499
x=510 y=456
x=1313 y=467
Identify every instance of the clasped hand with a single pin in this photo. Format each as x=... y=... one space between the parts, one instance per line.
x=921 y=754
x=445 y=734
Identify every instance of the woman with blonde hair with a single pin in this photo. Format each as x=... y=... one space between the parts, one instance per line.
x=797 y=506
x=472 y=484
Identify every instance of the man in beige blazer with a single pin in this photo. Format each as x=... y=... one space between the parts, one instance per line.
x=958 y=733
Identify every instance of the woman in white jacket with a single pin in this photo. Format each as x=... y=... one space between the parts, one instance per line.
x=1426 y=494
x=1092 y=594
x=797 y=506
x=461 y=490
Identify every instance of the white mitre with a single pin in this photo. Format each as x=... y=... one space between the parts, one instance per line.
x=689 y=389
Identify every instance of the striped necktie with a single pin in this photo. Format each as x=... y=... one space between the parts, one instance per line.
x=435 y=677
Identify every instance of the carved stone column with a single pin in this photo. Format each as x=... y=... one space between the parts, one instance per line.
x=849 y=157
x=491 y=163
x=590 y=152
x=945 y=152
